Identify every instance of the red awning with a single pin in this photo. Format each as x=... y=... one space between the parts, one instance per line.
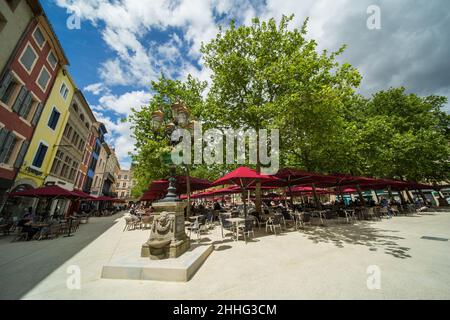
x=46 y=192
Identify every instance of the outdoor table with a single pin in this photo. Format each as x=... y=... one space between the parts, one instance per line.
x=194 y=217
x=236 y=221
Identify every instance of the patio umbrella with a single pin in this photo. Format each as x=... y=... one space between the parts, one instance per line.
x=46 y=192
x=49 y=192
x=244 y=177
x=180 y=184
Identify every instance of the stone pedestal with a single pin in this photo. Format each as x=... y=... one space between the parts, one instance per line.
x=167 y=236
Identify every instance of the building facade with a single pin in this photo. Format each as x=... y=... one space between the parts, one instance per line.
x=124 y=184
x=103 y=152
x=48 y=134
x=87 y=137
x=70 y=151
x=25 y=84
x=15 y=17
x=94 y=147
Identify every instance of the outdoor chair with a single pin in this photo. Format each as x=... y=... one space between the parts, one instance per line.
x=64 y=227
x=224 y=224
x=303 y=218
x=5 y=228
x=20 y=235
x=129 y=223
x=53 y=231
x=197 y=227
x=146 y=222
x=273 y=223
x=246 y=228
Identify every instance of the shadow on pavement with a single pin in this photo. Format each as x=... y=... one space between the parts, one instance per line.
x=362 y=233
x=26 y=263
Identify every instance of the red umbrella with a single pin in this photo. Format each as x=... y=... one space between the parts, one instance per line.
x=46 y=192
x=244 y=177
x=103 y=198
x=180 y=184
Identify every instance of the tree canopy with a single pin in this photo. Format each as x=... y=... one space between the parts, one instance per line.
x=268 y=75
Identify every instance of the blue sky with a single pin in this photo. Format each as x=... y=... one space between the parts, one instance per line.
x=124 y=44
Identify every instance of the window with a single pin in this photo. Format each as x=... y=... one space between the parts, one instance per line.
x=51 y=59
x=64 y=91
x=126 y=177
x=8 y=146
x=44 y=79
x=117 y=185
x=123 y=194
x=124 y=185
x=40 y=155
x=120 y=177
x=8 y=88
x=39 y=37
x=28 y=58
x=54 y=117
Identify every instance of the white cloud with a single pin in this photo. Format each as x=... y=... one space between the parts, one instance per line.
x=122 y=104
x=96 y=88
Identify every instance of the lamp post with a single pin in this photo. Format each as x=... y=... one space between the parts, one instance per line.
x=175 y=118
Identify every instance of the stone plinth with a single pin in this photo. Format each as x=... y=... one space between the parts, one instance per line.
x=168 y=238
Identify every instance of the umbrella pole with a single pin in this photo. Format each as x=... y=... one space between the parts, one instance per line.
x=188 y=192
x=245 y=204
x=316 y=198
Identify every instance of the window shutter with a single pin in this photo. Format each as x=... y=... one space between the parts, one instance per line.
x=21 y=155
x=8 y=142
x=26 y=105
x=3 y=135
x=19 y=100
x=37 y=114
x=55 y=119
x=5 y=83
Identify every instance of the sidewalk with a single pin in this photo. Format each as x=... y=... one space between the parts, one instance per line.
x=315 y=263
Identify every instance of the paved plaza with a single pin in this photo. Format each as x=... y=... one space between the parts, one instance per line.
x=316 y=263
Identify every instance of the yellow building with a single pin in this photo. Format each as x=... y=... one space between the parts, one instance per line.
x=47 y=135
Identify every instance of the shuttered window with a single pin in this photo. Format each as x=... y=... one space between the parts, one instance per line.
x=37 y=114
x=40 y=155
x=21 y=155
x=54 y=117
x=7 y=87
x=8 y=147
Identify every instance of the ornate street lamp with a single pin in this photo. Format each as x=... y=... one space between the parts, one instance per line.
x=177 y=118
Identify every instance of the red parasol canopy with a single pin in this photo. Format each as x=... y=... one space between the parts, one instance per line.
x=180 y=184
x=103 y=198
x=244 y=178
x=83 y=195
x=46 y=192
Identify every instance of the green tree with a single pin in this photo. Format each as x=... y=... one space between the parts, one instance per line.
x=402 y=136
x=270 y=76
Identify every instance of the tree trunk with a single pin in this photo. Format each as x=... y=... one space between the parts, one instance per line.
x=316 y=198
x=361 y=197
